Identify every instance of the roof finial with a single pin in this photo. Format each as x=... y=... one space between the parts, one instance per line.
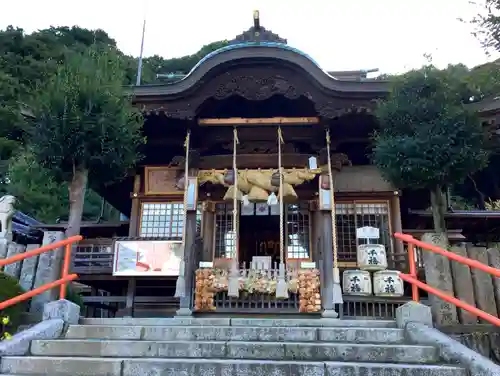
x=256 y=19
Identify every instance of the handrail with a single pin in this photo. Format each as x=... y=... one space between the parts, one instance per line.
x=62 y=282
x=412 y=277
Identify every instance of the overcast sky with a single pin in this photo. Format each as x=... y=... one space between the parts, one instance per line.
x=392 y=35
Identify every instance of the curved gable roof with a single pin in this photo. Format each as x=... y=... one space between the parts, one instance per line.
x=259 y=44
x=264 y=51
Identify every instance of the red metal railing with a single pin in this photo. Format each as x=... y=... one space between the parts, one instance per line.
x=416 y=284
x=62 y=282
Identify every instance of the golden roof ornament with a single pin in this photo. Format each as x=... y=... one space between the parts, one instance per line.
x=257 y=33
x=256 y=20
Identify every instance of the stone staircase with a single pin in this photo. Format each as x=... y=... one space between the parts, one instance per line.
x=229 y=347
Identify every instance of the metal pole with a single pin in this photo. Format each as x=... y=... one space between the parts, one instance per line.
x=139 y=66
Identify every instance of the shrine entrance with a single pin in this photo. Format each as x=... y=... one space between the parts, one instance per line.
x=259 y=233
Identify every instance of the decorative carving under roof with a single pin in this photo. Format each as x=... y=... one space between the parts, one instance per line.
x=257 y=33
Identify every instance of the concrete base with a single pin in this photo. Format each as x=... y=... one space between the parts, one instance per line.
x=62 y=309
x=313 y=351
x=183 y=312
x=19 y=344
x=452 y=351
x=211 y=333
x=330 y=313
x=413 y=312
x=227 y=367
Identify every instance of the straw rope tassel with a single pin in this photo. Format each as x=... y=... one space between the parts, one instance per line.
x=281 y=287
x=233 y=288
x=337 y=291
x=180 y=286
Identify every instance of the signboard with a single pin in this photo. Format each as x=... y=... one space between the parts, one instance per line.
x=161 y=180
x=147 y=258
x=367 y=232
x=206 y=264
x=308 y=265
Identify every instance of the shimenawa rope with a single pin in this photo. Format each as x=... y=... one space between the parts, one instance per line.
x=337 y=292
x=281 y=287
x=233 y=288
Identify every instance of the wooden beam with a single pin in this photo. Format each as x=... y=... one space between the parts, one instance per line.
x=260 y=121
x=269 y=160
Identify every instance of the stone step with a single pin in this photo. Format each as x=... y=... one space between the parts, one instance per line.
x=236 y=333
x=239 y=350
x=61 y=366
x=226 y=321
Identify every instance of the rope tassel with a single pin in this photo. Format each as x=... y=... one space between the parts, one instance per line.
x=282 y=286
x=337 y=291
x=180 y=286
x=233 y=288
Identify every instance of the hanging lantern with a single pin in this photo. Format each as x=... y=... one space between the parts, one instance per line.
x=275 y=179
x=229 y=177
x=325 y=182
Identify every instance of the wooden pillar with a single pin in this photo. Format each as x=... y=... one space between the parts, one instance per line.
x=316 y=233
x=133 y=231
x=91 y=309
x=208 y=232
x=327 y=265
x=129 y=302
x=190 y=258
x=135 y=213
x=398 y=250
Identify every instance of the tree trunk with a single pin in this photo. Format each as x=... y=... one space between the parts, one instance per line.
x=438 y=207
x=77 y=188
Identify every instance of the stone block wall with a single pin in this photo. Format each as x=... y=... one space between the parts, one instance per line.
x=471 y=285
x=35 y=271
x=485 y=343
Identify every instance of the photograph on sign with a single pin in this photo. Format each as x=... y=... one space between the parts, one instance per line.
x=146 y=258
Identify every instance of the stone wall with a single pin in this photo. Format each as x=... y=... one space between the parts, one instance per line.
x=485 y=343
x=35 y=271
x=470 y=285
x=23 y=270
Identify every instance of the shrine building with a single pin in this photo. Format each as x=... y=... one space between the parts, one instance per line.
x=259 y=105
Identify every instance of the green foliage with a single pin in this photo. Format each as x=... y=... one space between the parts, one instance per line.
x=10 y=288
x=428 y=137
x=85 y=120
x=14 y=127
x=487 y=24
x=31 y=58
x=485 y=80
x=86 y=129
x=4 y=334
x=27 y=62
x=42 y=197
